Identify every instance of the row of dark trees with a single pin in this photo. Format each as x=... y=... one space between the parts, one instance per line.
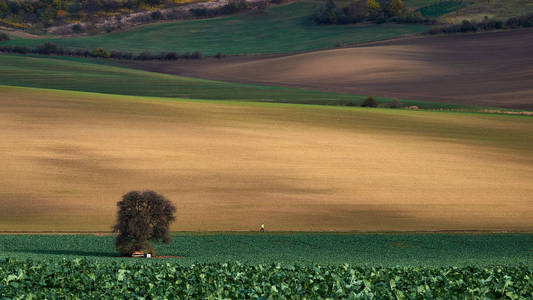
x=378 y=11
x=371 y=101
x=53 y=49
x=486 y=25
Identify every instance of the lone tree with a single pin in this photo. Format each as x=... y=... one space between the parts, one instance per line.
x=142 y=217
x=370 y=102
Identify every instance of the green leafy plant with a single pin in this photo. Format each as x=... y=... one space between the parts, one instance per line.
x=85 y=279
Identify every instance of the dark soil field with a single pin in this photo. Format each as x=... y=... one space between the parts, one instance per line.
x=489 y=69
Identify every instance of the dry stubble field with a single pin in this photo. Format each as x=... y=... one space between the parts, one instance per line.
x=67 y=157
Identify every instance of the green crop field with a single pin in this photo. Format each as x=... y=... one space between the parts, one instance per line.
x=84 y=279
x=281 y=29
x=272 y=265
x=429 y=250
x=84 y=75
x=275 y=265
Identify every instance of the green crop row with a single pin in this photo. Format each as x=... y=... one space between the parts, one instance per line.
x=86 y=279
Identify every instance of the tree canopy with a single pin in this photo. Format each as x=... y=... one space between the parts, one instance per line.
x=142 y=217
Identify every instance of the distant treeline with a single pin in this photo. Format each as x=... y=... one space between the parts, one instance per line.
x=53 y=49
x=46 y=13
x=486 y=25
x=50 y=12
x=377 y=11
x=193 y=11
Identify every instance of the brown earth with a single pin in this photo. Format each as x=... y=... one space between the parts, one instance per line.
x=490 y=69
x=67 y=157
x=18 y=33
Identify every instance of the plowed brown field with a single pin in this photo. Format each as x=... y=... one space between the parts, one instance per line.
x=489 y=69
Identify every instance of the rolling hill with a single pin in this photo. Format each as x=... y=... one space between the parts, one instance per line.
x=94 y=76
x=67 y=157
x=280 y=29
x=489 y=69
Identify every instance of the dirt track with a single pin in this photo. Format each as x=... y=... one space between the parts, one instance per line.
x=490 y=69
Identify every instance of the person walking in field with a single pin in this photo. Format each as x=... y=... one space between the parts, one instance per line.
x=262 y=228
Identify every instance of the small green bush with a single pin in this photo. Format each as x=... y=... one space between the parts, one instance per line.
x=370 y=102
x=47 y=48
x=85 y=279
x=77 y=28
x=100 y=52
x=394 y=104
x=4 y=37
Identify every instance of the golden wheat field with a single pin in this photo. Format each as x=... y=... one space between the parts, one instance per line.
x=67 y=157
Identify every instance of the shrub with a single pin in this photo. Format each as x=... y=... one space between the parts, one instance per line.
x=6 y=49
x=100 y=52
x=4 y=37
x=77 y=28
x=325 y=13
x=82 y=52
x=370 y=102
x=196 y=55
x=199 y=12
x=142 y=218
x=47 y=48
x=171 y=56
x=486 y=25
x=127 y=55
x=394 y=104
x=146 y=55
x=157 y=15
x=116 y=54
x=367 y=10
x=21 y=50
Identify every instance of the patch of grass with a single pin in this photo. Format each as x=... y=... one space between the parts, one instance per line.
x=419 y=3
x=292 y=248
x=495 y=9
x=77 y=74
x=441 y=8
x=286 y=28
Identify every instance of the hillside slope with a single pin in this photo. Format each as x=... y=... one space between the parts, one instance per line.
x=490 y=69
x=280 y=29
x=95 y=76
x=67 y=157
